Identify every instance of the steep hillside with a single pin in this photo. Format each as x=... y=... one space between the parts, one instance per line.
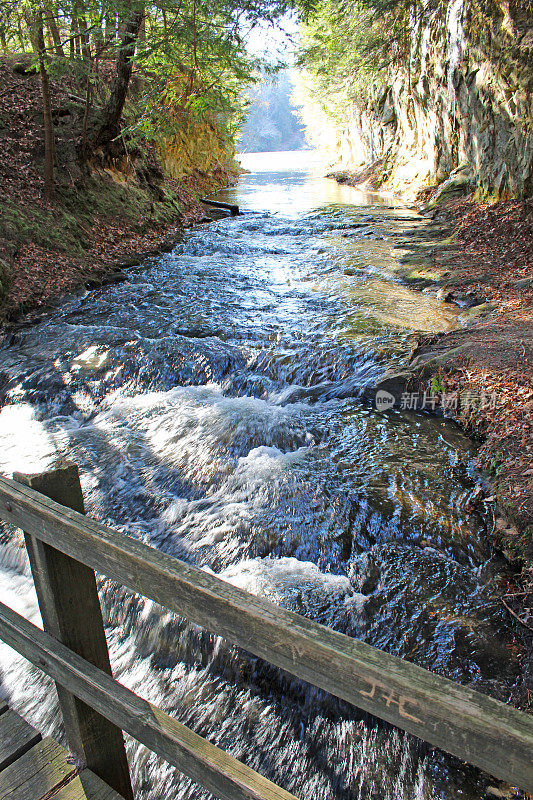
x=106 y=212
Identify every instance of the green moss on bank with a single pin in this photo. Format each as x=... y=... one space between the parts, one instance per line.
x=68 y=226
x=71 y=227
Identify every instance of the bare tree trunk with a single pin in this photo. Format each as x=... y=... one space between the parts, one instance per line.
x=36 y=29
x=77 y=42
x=109 y=26
x=88 y=102
x=110 y=125
x=54 y=32
x=20 y=32
x=75 y=31
x=72 y=38
x=84 y=38
x=98 y=36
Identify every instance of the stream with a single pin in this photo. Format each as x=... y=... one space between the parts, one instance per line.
x=212 y=403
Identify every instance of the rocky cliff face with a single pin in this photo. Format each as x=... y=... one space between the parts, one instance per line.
x=464 y=102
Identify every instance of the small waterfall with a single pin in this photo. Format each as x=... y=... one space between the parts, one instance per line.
x=454 y=46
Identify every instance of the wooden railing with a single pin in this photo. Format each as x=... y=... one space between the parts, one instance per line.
x=65 y=548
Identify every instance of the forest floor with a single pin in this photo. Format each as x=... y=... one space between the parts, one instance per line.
x=101 y=219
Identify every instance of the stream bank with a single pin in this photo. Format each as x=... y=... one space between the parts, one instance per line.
x=449 y=92
x=479 y=256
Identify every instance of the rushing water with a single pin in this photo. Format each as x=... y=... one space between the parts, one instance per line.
x=212 y=403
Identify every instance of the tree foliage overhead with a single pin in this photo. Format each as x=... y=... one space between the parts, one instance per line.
x=348 y=46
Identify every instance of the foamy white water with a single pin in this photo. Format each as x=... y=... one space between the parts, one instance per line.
x=212 y=402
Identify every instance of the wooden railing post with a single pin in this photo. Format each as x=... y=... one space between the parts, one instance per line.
x=71 y=612
x=470 y=725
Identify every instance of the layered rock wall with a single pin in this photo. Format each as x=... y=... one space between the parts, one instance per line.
x=464 y=100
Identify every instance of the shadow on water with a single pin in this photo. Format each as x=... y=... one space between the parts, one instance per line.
x=211 y=402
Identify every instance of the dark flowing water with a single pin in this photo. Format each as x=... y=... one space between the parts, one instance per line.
x=212 y=403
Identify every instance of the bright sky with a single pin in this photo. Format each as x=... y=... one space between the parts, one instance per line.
x=274 y=41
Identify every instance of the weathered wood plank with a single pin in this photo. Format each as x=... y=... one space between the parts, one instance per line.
x=70 y=609
x=36 y=773
x=16 y=737
x=220 y=773
x=86 y=786
x=463 y=722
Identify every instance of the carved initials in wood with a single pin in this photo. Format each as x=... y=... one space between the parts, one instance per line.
x=391 y=698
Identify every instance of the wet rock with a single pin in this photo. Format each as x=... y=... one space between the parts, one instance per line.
x=524 y=283
x=465 y=299
x=364 y=574
x=387 y=392
x=427 y=362
x=472 y=315
x=444 y=294
x=475 y=498
x=494 y=791
x=117 y=276
x=460 y=182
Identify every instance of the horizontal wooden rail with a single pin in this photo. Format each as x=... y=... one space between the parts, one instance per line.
x=220 y=773
x=468 y=724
